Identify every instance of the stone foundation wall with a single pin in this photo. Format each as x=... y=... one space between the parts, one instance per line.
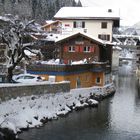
x=9 y=91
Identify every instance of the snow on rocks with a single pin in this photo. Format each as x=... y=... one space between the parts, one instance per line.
x=33 y=111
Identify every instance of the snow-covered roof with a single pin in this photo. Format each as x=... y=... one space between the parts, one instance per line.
x=50 y=22
x=86 y=13
x=61 y=38
x=117 y=48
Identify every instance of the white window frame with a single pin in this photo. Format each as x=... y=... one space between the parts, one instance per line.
x=71 y=48
x=79 y=24
x=87 y=48
x=104 y=37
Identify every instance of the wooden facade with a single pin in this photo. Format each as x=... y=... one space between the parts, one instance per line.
x=95 y=72
x=53 y=27
x=80 y=46
x=80 y=76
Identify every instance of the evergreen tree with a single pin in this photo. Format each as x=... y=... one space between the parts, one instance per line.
x=34 y=6
x=35 y=9
x=57 y=5
x=51 y=11
x=3 y=1
x=74 y=4
x=79 y=4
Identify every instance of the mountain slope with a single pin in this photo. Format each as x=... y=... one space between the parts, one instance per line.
x=34 y=9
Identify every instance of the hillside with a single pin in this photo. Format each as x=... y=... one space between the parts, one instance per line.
x=39 y=10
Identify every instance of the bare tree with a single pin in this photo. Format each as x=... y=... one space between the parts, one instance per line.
x=13 y=36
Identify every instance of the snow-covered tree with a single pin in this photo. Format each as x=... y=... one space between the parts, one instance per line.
x=13 y=34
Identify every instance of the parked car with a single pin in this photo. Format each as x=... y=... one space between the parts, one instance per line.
x=27 y=78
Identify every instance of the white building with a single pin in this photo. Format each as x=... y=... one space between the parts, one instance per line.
x=93 y=21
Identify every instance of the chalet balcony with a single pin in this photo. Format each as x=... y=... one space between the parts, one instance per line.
x=100 y=67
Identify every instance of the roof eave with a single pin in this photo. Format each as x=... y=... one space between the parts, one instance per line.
x=90 y=38
x=86 y=18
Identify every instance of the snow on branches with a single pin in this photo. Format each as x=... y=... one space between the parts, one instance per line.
x=14 y=35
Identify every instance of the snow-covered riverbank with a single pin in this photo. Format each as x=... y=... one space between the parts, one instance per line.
x=34 y=111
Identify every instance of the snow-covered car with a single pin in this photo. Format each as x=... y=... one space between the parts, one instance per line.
x=27 y=78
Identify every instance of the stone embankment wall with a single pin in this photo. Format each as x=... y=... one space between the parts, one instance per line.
x=9 y=91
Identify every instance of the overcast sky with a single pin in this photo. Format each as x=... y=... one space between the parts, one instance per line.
x=129 y=9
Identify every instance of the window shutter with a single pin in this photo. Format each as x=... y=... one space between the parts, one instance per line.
x=74 y=24
x=65 y=48
x=83 y=24
x=81 y=48
x=76 y=48
x=108 y=37
x=99 y=36
x=91 y=49
x=65 y=61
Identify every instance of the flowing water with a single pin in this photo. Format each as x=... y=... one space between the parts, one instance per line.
x=116 y=118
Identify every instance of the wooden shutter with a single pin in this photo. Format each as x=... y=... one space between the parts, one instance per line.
x=74 y=24
x=81 y=48
x=91 y=49
x=83 y=24
x=65 y=61
x=108 y=37
x=65 y=48
x=76 y=48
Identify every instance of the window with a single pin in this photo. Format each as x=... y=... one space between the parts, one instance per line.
x=87 y=49
x=78 y=24
x=78 y=82
x=98 y=80
x=104 y=37
x=29 y=77
x=21 y=77
x=104 y=25
x=71 y=49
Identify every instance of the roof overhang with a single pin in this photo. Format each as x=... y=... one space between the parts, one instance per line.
x=96 y=40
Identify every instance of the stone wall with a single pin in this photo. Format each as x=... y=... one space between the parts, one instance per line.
x=9 y=91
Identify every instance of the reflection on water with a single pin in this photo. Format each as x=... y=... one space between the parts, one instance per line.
x=116 y=118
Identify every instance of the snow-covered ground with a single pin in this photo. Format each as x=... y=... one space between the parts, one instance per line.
x=32 y=111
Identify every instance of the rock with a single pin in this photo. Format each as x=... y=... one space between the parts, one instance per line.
x=44 y=120
x=80 y=106
x=92 y=103
x=96 y=97
x=7 y=134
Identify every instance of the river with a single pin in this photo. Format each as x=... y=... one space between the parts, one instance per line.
x=116 y=118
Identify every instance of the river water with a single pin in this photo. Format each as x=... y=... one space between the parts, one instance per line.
x=116 y=118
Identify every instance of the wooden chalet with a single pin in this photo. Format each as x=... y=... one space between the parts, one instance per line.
x=52 y=27
x=80 y=46
x=95 y=72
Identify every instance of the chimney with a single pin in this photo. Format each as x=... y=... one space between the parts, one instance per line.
x=109 y=10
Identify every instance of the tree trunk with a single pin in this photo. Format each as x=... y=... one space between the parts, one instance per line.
x=10 y=75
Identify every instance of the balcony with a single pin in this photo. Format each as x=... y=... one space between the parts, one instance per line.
x=102 y=67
